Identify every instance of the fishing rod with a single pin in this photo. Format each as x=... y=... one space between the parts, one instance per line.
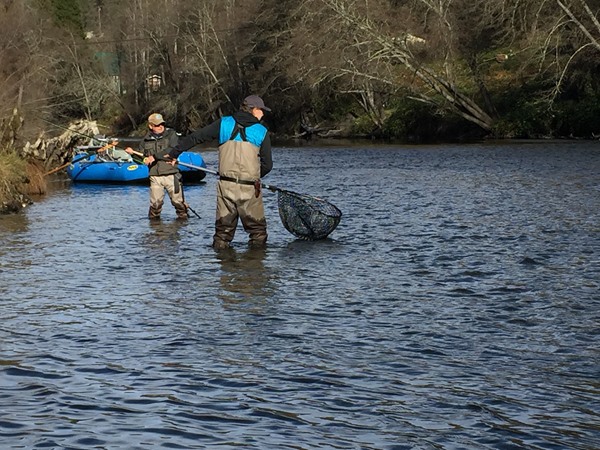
x=71 y=130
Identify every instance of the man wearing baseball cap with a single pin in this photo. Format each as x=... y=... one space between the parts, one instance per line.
x=164 y=175
x=244 y=158
x=254 y=101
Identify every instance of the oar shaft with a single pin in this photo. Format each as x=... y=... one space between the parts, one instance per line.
x=66 y=164
x=59 y=168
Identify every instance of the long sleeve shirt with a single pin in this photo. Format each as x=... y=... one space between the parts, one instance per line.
x=211 y=132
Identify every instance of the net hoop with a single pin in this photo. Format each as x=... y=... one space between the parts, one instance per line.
x=306 y=217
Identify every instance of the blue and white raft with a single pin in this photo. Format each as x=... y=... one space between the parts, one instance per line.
x=114 y=165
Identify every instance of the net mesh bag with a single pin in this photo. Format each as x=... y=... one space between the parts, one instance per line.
x=307 y=217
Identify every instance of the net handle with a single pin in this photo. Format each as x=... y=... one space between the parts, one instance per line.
x=266 y=186
x=214 y=172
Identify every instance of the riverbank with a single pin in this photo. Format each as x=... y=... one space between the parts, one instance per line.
x=23 y=170
x=19 y=180
x=12 y=177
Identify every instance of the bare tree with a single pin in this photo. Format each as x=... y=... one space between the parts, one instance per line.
x=205 y=55
x=25 y=61
x=216 y=42
x=587 y=24
x=380 y=44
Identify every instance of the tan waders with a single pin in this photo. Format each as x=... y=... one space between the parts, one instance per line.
x=235 y=200
x=170 y=183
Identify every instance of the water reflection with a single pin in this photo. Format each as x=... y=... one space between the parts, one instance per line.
x=161 y=233
x=12 y=223
x=244 y=275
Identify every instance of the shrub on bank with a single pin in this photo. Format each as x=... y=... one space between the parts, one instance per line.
x=578 y=118
x=18 y=179
x=414 y=121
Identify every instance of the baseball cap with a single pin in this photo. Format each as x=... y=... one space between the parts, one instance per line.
x=156 y=119
x=254 y=101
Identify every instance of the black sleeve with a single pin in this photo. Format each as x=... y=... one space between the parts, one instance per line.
x=266 y=159
x=206 y=134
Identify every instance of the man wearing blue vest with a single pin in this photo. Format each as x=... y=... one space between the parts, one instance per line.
x=244 y=158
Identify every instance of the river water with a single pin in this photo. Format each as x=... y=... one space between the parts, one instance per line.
x=456 y=306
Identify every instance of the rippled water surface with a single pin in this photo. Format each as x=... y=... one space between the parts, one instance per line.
x=456 y=306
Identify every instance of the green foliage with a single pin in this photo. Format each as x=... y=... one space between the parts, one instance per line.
x=408 y=118
x=320 y=108
x=362 y=126
x=332 y=107
x=523 y=112
x=527 y=119
x=579 y=118
x=414 y=121
x=67 y=14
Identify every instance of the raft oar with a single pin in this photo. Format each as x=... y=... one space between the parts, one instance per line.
x=59 y=168
x=304 y=216
x=101 y=149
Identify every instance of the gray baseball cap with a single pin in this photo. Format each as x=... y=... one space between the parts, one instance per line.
x=254 y=101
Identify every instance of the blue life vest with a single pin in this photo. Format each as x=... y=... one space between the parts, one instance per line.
x=255 y=133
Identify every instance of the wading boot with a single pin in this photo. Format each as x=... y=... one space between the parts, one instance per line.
x=258 y=236
x=154 y=213
x=220 y=244
x=257 y=243
x=182 y=213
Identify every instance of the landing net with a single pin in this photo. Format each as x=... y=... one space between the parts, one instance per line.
x=307 y=217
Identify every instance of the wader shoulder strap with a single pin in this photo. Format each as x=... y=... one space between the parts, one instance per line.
x=242 y=130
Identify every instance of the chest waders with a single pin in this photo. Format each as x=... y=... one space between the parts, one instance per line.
x=237 y=194
x=164 y=177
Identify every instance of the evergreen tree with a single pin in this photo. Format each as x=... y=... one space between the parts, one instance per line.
x=67 y=14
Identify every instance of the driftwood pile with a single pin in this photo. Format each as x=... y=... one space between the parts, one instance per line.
x=16 y=184
x=58 y=150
